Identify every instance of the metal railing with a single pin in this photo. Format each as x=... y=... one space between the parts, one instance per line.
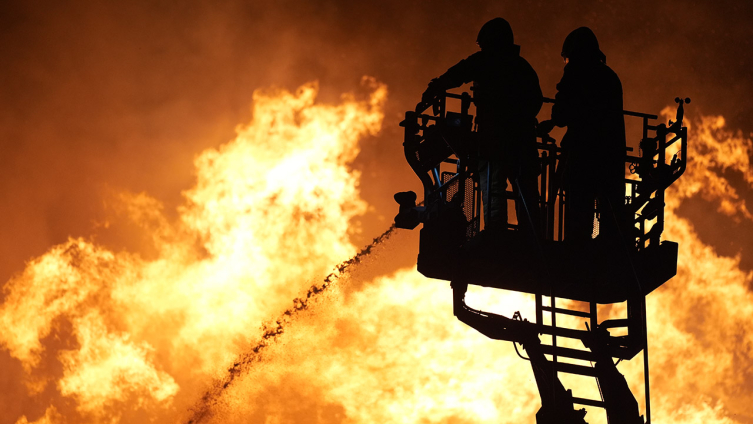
x=441 y=147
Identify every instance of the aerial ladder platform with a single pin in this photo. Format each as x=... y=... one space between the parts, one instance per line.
x=567 y=281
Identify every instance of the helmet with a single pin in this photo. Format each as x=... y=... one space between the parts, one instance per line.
x=582 y=44
x=495 y=34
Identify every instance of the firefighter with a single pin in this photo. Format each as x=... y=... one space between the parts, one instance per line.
x=589 y=104
x=508 y=97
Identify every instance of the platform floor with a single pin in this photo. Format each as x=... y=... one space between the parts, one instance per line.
x=592 y=272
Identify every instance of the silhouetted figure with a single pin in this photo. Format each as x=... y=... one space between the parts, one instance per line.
x=508 y=97
x=589 y=104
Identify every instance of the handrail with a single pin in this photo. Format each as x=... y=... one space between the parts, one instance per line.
x=624 y=112
x=655 y=175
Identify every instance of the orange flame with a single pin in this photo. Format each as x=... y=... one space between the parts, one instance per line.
x=393 y=351
x=270 y=211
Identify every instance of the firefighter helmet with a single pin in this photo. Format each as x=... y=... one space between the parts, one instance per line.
x=495 y=34
x=582 y=44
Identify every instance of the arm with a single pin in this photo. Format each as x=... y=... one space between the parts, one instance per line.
x=534 y=98
x=461 y=73
x=563 y=101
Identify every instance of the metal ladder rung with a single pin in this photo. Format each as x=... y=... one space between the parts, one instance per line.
x=567 y=352
x=567 y=312
x=564 y=352
x=574 y=369
x=588 y=402
x=614 y=323
x=563 y=332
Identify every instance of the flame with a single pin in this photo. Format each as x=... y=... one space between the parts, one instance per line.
x=51 y=416
x=393 y=352
x=705 y=346
x=141 y=338
x=270 y=210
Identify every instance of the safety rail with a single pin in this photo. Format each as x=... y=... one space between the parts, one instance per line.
x=452 y=199
x=445 y=137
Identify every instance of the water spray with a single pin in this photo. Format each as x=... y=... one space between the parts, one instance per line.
x=271 y=332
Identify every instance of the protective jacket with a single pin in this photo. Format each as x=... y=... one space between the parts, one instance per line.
x=589 y=103
x=508 y=97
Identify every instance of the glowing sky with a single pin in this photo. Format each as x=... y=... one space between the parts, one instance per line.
x=105 y=106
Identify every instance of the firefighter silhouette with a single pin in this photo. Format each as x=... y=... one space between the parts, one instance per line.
x=508 y=97
x=589 y=104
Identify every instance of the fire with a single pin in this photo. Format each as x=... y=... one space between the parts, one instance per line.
x=715 y=151
x=703 y=348
x=51 y=416
x=392 y=351
x=139 y=338
x=271 y=210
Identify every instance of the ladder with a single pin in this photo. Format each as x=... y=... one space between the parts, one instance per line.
x=621 y=347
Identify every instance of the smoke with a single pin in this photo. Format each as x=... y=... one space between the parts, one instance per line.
x=136 y=335
x=100 y=99
x=404 y=358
